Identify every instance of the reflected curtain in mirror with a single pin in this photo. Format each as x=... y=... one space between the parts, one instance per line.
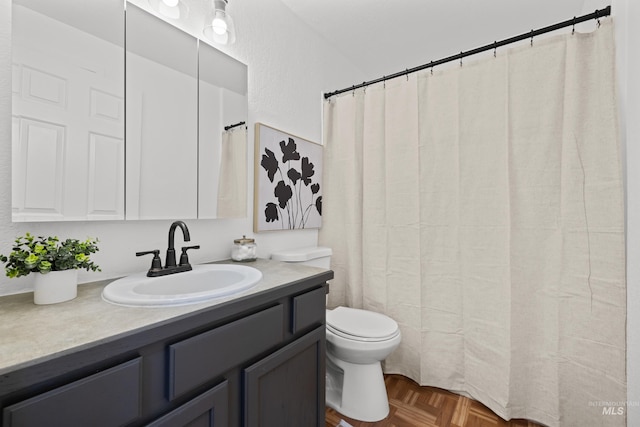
x=232 y=194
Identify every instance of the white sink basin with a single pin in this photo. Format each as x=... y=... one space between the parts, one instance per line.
x=203 y=283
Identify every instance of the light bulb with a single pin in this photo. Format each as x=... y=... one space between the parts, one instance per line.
x=219 y=24
x=171 y=3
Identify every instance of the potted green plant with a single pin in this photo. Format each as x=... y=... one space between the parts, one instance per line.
x=56 y=262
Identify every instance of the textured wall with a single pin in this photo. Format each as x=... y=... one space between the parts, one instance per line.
x=627 y=14
x=289 y=68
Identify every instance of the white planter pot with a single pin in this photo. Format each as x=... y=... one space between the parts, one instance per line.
x=55 y=286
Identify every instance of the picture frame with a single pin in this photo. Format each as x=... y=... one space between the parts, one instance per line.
x=287 y=181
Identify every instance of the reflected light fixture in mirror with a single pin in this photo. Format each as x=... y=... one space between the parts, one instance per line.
x=218 y=24
x=173 y=9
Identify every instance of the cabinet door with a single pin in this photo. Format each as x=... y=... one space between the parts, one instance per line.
x=286 y=389
x=210 y=409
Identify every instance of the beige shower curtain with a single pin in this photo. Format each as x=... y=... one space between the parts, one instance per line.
x=482 y=208
x=232 y=193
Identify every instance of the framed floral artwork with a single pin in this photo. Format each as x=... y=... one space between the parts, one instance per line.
x=288 y=181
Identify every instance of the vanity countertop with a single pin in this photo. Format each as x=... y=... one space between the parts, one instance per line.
x=32 y=333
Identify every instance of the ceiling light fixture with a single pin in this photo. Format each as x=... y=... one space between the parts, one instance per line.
x=173 y=9
x=218 y=24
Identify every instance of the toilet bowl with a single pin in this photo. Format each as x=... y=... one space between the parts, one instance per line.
x=357 y=342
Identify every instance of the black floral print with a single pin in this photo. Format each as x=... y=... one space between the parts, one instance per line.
x=292 y=210
x=289 y=151
x=294 y=175
x=269 y=163
x=271 y=212
x=307 y=171
x=283 y=193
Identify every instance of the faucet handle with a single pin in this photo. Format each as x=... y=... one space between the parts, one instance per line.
x=184 y=259
x=156 y=263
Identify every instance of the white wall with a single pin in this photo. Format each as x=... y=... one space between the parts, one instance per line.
x=627 y=16
x=289 y=68
x=632 y=55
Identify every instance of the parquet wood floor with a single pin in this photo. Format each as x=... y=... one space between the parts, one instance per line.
x=413 y=406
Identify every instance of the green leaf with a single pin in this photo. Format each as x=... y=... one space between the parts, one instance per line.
x=44 y=267
x=31 y=259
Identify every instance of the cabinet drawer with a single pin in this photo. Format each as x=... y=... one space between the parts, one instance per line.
x=308 y=310
x=199 y=359
x=109 y=398
x=211 y=408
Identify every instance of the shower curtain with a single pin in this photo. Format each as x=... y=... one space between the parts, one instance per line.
x=232 y=194
x=482 y=208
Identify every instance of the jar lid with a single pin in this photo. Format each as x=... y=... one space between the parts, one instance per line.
x=244 y=240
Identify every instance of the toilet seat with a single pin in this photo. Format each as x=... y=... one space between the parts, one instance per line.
x=361 y=325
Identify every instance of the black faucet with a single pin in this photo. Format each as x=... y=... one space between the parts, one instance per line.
x=170 y=260
x=170 y=266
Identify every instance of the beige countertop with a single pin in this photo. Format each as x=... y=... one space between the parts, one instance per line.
x=32 y=333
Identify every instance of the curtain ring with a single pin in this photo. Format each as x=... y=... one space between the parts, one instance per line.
x=353 y=90
x=461 y=58
x=597 y=18
x=407 y=74
x=384 y=82
x=495 y=48
x=573 y=30
x=431 y=66
x=531 y=37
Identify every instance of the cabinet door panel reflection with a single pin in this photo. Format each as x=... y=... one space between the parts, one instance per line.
x=67 y=110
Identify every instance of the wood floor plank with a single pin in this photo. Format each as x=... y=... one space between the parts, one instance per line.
x=461 y=412
x=411 y=405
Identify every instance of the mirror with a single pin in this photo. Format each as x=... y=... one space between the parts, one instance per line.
x=68 y=110
x=162 y=119
x=222 y=135
x=69 y=151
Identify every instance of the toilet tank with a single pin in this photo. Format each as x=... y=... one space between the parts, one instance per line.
x=317 y=256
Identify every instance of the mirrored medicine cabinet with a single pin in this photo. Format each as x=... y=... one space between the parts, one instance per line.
x=95 y=139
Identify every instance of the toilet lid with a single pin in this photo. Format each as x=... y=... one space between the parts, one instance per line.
x=362 y=325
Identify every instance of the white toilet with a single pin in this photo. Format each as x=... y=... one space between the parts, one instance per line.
x=357 y=341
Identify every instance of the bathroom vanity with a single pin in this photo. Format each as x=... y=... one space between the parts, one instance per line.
x=253 y=359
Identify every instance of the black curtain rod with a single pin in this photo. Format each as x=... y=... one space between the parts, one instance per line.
x=533 y=33
x=226 y=128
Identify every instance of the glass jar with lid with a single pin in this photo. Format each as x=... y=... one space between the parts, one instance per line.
x=244 y=250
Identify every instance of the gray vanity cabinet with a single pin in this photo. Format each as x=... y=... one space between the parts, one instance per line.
x=254 y=361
